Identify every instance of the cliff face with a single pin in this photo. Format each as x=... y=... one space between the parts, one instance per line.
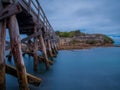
x=84 y=41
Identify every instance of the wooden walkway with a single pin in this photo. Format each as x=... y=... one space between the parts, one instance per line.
x=25 y=17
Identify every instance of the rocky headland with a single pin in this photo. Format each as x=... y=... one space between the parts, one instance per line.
x=78 y=40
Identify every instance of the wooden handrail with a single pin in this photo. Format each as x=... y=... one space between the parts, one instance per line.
x=35 y=7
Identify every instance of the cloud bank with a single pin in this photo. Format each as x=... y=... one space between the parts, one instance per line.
x=91 y=16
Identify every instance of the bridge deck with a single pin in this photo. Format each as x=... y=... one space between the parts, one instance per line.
x=29 y=14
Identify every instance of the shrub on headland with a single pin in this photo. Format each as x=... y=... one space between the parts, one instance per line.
x=108 y=39
x=77 y=38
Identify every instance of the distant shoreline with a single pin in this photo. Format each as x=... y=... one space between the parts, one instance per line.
x=83 y=47
x=116 y=45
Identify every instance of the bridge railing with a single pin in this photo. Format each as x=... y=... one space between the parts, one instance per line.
x=34 y=6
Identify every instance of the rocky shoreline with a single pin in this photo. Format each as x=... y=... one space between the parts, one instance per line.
x=83 y=47
x=79 y=40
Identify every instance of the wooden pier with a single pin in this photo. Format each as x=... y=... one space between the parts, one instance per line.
x=25 y=17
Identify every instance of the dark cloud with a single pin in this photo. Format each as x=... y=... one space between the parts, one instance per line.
x=94 y=16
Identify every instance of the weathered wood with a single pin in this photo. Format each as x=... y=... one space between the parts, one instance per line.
x=44 y=52
x=10 y=10
x=35 y=51
x=30 y=16
x=2 y=54
x=27 y=38
x=53 y=49
x=49 y=48
x=16 y=51
x=31 y=79
x=31 y=36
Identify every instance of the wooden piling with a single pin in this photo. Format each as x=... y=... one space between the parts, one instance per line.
x=2 y=54
x=49 y=48
x=53 y=49
x=35 y=51
x=16 y=51
x=44 y=52
x=2 y=51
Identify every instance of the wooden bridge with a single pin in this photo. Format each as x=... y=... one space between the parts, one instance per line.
x=25 y=17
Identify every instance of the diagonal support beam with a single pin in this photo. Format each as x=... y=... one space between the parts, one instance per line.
x=10 y=10
x=31 y=79
x=25 y=39
x=31 y=36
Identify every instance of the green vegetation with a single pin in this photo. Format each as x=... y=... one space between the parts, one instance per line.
x=76 y=37
x=108 y=39
x=69 y=34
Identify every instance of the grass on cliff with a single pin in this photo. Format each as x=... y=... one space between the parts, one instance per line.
x=69 y=34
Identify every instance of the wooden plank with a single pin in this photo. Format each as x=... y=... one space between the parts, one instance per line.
x=15 y=42
x=10 y=10
x=31 y=79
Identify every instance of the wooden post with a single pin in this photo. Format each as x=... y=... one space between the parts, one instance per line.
x=16 y=51
x=53 y=49
x=57 y=44
x=2 y=51
x=49 y=48
x=44 y=52
x=35 y=51
x=2 y=54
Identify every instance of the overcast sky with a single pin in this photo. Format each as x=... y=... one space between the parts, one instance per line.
x=91 y=16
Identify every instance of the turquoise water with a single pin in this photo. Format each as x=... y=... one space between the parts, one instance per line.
x=88 y=69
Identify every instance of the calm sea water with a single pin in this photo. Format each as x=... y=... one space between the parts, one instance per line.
x=88 y=69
